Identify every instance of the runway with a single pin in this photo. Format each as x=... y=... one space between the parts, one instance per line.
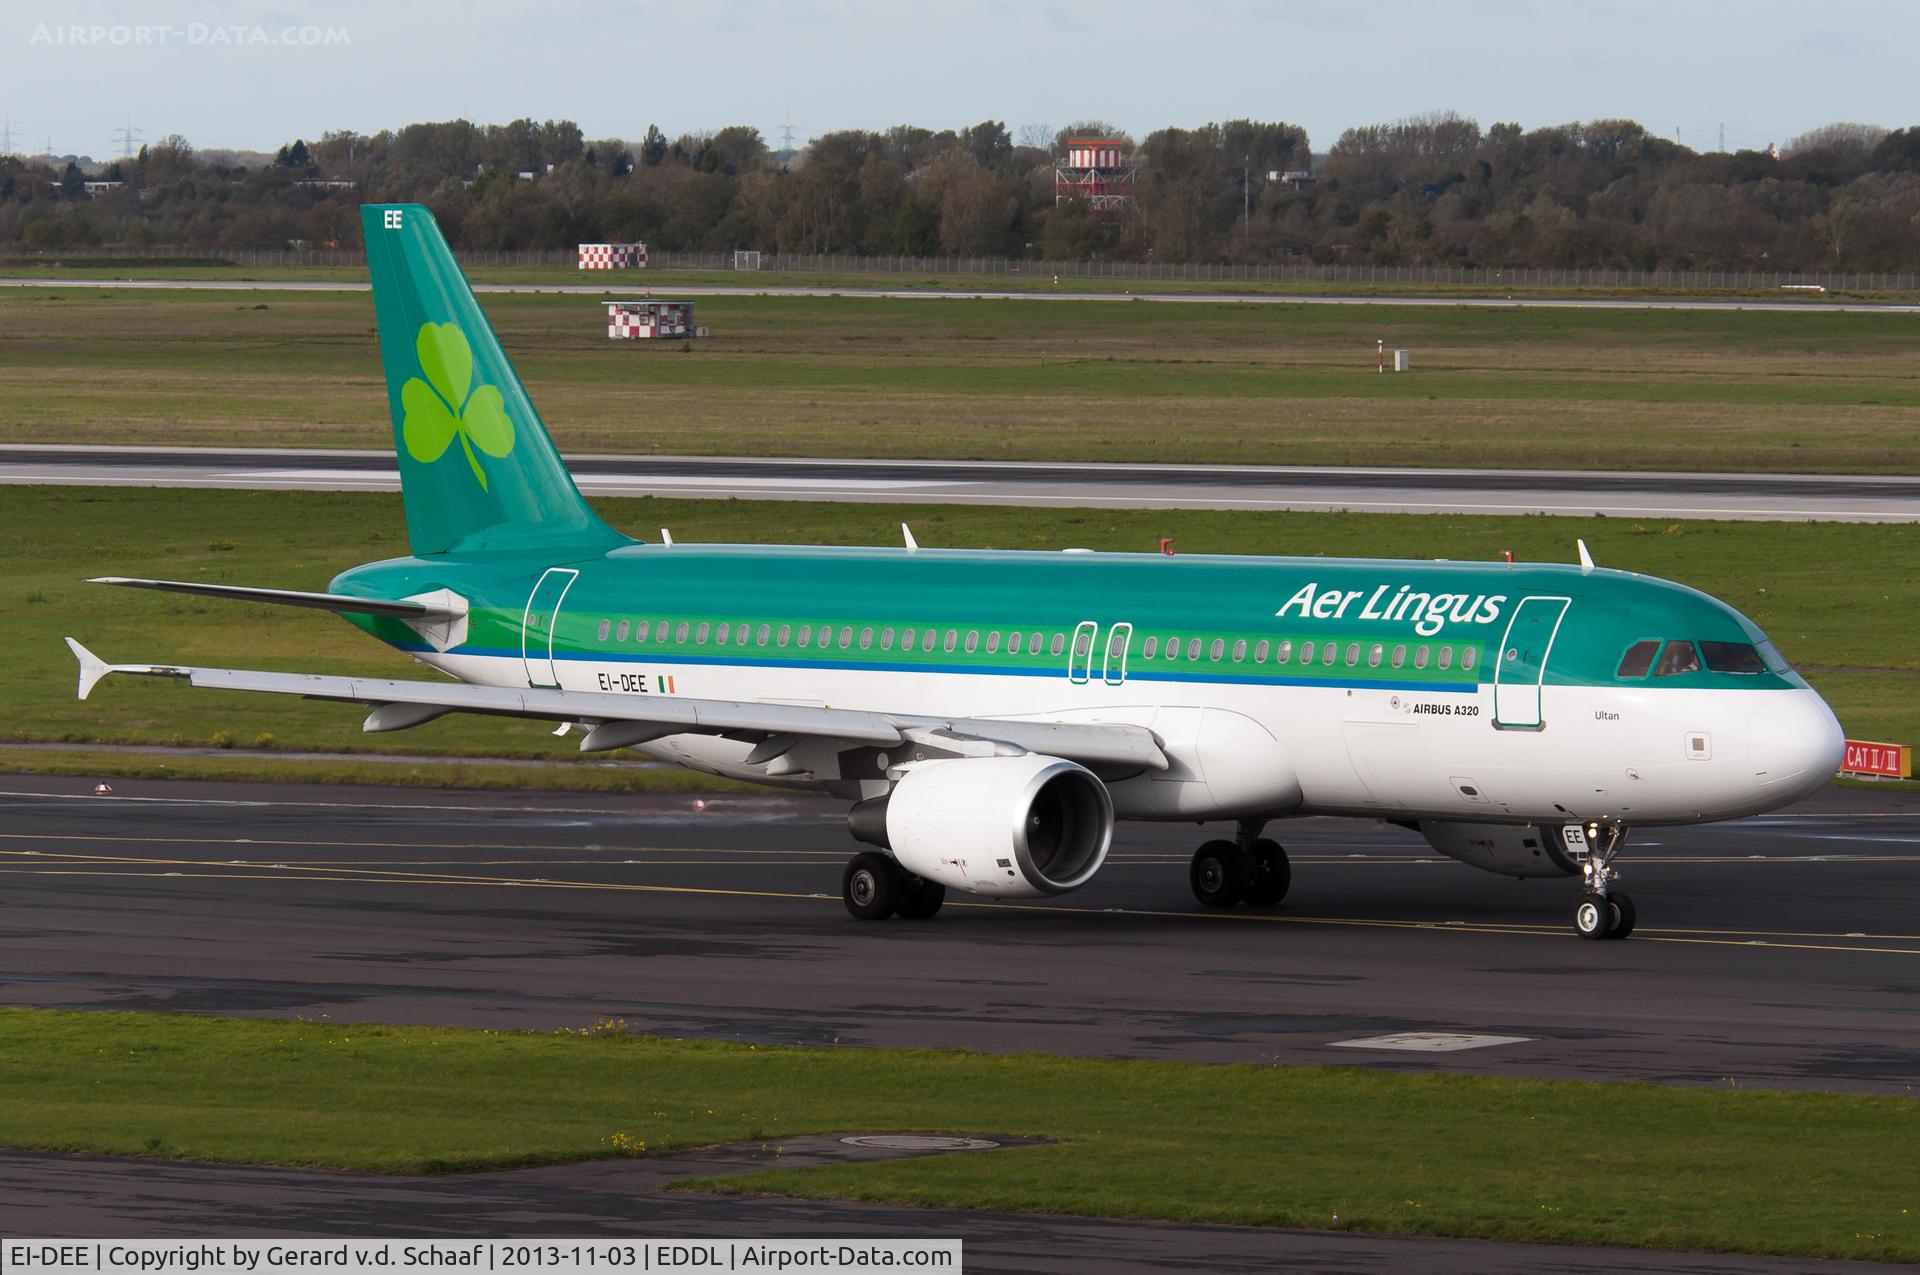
x=1771 y=497
x=1775 y=952
x=1511 y=302
x=1772 y=952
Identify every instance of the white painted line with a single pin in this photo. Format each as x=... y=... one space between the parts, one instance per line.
x=1429 y=1042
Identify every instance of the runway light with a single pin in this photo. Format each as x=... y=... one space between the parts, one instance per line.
x=699 y=803
x=101 y=790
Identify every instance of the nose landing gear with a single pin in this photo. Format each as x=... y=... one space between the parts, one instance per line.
x=1603 y=912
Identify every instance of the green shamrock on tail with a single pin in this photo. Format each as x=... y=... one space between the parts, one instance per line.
x=439 y=408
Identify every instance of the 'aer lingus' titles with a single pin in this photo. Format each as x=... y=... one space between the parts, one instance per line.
x=1427 y=612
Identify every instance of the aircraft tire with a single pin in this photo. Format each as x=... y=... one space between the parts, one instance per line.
x=1220 y=874
x=871 y=886
x=921 y=899
x=1623 y=915
x=1593 y=917
x=1272 y=873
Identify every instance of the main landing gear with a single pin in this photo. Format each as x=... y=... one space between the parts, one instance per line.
x=1249 y=869
x=874 y=888
x=1603 y=912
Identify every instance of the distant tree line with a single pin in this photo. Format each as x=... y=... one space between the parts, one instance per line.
x=1434 y=190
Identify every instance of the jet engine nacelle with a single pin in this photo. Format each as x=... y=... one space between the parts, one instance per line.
x=1509 y=849
x=1012 y=827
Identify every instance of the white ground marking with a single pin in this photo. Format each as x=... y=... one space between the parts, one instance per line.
x=918 y=1142
x=1429 y=1042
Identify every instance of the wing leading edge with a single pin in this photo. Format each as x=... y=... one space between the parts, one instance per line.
x=620 y=720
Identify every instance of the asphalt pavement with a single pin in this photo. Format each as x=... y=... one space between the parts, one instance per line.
x=1772 y=497
x=1773 y=952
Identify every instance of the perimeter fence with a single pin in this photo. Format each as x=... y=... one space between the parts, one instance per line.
x=1482 y=279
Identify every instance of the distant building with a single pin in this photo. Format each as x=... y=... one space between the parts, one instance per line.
x=97 y=189
x=1297 y=178
x=1099 y=171
x=321 y=183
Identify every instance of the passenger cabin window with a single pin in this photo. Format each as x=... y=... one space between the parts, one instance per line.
x=620 y=634
x=1638 y=660
x=866 y=638
x=1446 y=656
x=1420 y=658
x=1193 y=648
x=1399 y=656
x=1678 y=658
x=1058 y=644
x=1013 y=644
x=680 y=634
x=740 y=635
x=1374 y=655
x=1283 y=652
x=846 y=636
x=1260 y=651
x=700 y=636
x=722 y=634
x=1306 y=652
x=1239 y=651
x=1353 y=654
x=786 y=632
x=1151 y=648
x=993 y=642
x=1732 y=657
x=926 y=640
x=1329 y=653
x=907 y=637
x=766 y=631
x=1469 y=655
x=886 y=639
x=1219 y=648
x=660 y=631
x=606 y=627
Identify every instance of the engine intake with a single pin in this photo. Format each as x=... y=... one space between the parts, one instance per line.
x=1010 y=827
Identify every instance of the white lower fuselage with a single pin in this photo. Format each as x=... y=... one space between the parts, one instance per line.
x=1633 y=754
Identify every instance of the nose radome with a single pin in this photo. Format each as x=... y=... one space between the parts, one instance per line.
x=1794 y=742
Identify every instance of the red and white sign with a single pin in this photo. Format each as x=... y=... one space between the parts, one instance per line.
x=1889 y=761
x=613 y=256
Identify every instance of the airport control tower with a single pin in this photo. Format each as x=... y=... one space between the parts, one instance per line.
x=1098 y=170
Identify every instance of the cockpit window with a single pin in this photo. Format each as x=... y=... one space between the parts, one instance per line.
x=1638 y=659
x=1732 y=657
x=1771 y=657
x=1679 y=657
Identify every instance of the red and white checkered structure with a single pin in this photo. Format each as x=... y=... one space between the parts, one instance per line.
x=613 y=256
x=648 y=320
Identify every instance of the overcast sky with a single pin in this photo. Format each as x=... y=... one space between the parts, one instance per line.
x=1766 y=69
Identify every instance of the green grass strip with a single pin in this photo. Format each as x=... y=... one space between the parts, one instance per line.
x=1559 y=1161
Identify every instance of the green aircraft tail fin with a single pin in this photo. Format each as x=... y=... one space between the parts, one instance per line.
x=478 y=470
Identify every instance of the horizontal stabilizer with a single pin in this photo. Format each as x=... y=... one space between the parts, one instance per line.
x=341 y=602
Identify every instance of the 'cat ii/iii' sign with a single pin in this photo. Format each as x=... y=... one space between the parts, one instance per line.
x=1888 y=761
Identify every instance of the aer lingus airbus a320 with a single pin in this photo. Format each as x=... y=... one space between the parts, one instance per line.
x=989 y=715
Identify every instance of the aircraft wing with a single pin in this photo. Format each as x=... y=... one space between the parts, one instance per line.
x=618 y=720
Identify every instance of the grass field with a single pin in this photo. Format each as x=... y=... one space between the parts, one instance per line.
x=1763 y=1172
x=1011 y=379
x=1848 y=629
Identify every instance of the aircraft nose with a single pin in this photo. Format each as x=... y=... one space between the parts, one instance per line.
x=1795 y=743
